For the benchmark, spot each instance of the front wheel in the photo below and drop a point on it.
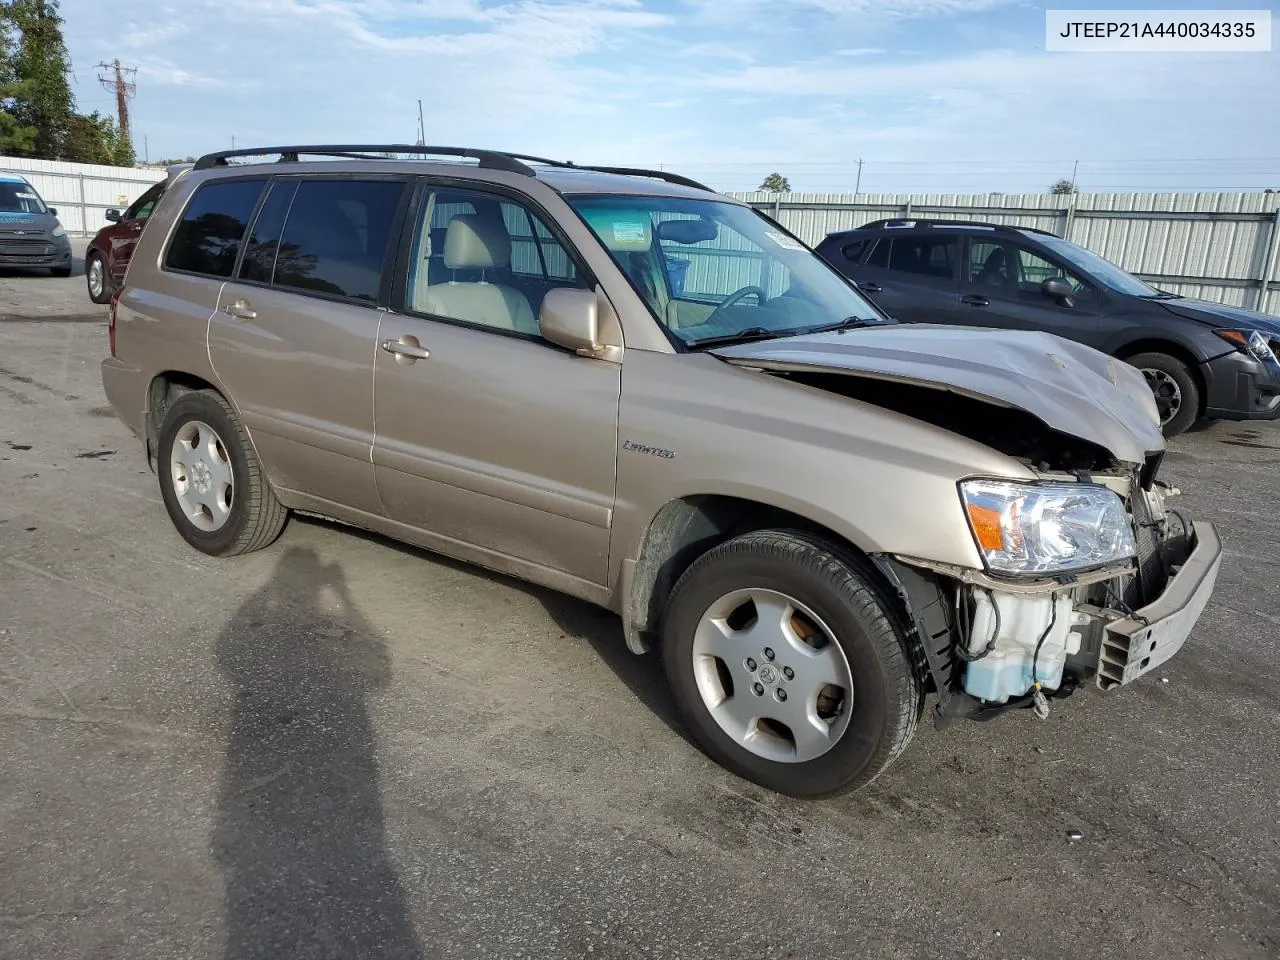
(1174, 387)
(789, 666)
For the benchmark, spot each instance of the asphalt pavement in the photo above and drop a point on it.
(343, 747)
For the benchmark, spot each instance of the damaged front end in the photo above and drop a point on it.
(1086, 572)
(994, 641)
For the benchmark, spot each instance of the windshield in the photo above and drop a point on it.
(711, 270)
(18, 197)
(1104, 271)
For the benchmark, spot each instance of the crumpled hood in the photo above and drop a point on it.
(1221, 314)
(1070, 387)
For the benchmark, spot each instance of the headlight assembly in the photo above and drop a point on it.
(59, 230)
(1046, 528)
(1251, 342)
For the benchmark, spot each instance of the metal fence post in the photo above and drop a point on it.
(777, 206)
(1264, 279)
(906, 212)
(84, 210)
(1071, 215)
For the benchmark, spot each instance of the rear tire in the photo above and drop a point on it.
(211, 481)
(825, 596)
(1175, 388)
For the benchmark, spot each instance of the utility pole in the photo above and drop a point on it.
(123, 88)
(857, 187)
(422, 127)
(146, 151)
(1074, 168)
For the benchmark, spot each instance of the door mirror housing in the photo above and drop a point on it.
(113, 215)
(571, 318)
(1059, 289)
(53, 211)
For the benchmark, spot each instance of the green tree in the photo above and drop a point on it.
(14, 137)
(1063, 187)
(42, 97)
(776, 183)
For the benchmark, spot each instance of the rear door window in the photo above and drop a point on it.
(929, 256)
(336, 236)
(209, 235)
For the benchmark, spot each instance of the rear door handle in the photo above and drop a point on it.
(974, 300)
(407, 349)
(869, 287)
(240, 310)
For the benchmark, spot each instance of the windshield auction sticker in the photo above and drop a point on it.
(1158, 31)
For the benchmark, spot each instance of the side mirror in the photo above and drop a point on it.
(113, 215)
(569, 318)
(53, 211)
(1059, 289)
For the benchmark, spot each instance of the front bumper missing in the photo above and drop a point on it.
(1143, 641)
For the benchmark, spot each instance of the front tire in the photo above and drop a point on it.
(789, 664)
(1175, 388)
(96, 277)
(211, 481)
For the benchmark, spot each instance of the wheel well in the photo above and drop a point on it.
(682, 531)
(164, 390)
(1177, 351)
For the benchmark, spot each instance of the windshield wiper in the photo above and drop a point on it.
(1165, 295)
(848, 323)
(747, 333)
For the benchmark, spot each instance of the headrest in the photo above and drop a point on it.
(473, 242)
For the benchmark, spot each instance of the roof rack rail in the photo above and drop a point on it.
(621, 171)
(489, 159)
(927, 223)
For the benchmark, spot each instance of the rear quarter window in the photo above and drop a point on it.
(209, 235)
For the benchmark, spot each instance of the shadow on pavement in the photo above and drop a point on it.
(575, 618)
(299, 826)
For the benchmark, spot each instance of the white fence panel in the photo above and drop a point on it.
(83, 192)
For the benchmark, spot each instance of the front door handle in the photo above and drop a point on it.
(869, 287)
(975, 300)
(407, 349)
(240, 310)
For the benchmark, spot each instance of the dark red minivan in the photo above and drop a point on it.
(109, 251)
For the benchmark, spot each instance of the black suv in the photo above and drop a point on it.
(1201, 358)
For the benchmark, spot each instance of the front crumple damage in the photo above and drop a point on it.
(991, 645)
(1073, 392)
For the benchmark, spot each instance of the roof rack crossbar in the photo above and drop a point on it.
(490, 159)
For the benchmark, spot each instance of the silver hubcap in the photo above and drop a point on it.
(202, 479)
(772, 676)
(97, 278)
(1167, 393)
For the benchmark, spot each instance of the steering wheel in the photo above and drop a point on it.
(734, 297)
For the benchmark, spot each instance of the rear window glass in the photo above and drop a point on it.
(336, 237)
(209, 235)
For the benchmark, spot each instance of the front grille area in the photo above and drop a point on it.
(25, 248)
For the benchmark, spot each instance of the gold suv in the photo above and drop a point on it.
(621, 385)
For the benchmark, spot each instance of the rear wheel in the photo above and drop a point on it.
(1175, 388)
(789, 666)
(96, 279)
(211, 481)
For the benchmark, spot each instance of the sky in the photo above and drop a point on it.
(932, 95)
